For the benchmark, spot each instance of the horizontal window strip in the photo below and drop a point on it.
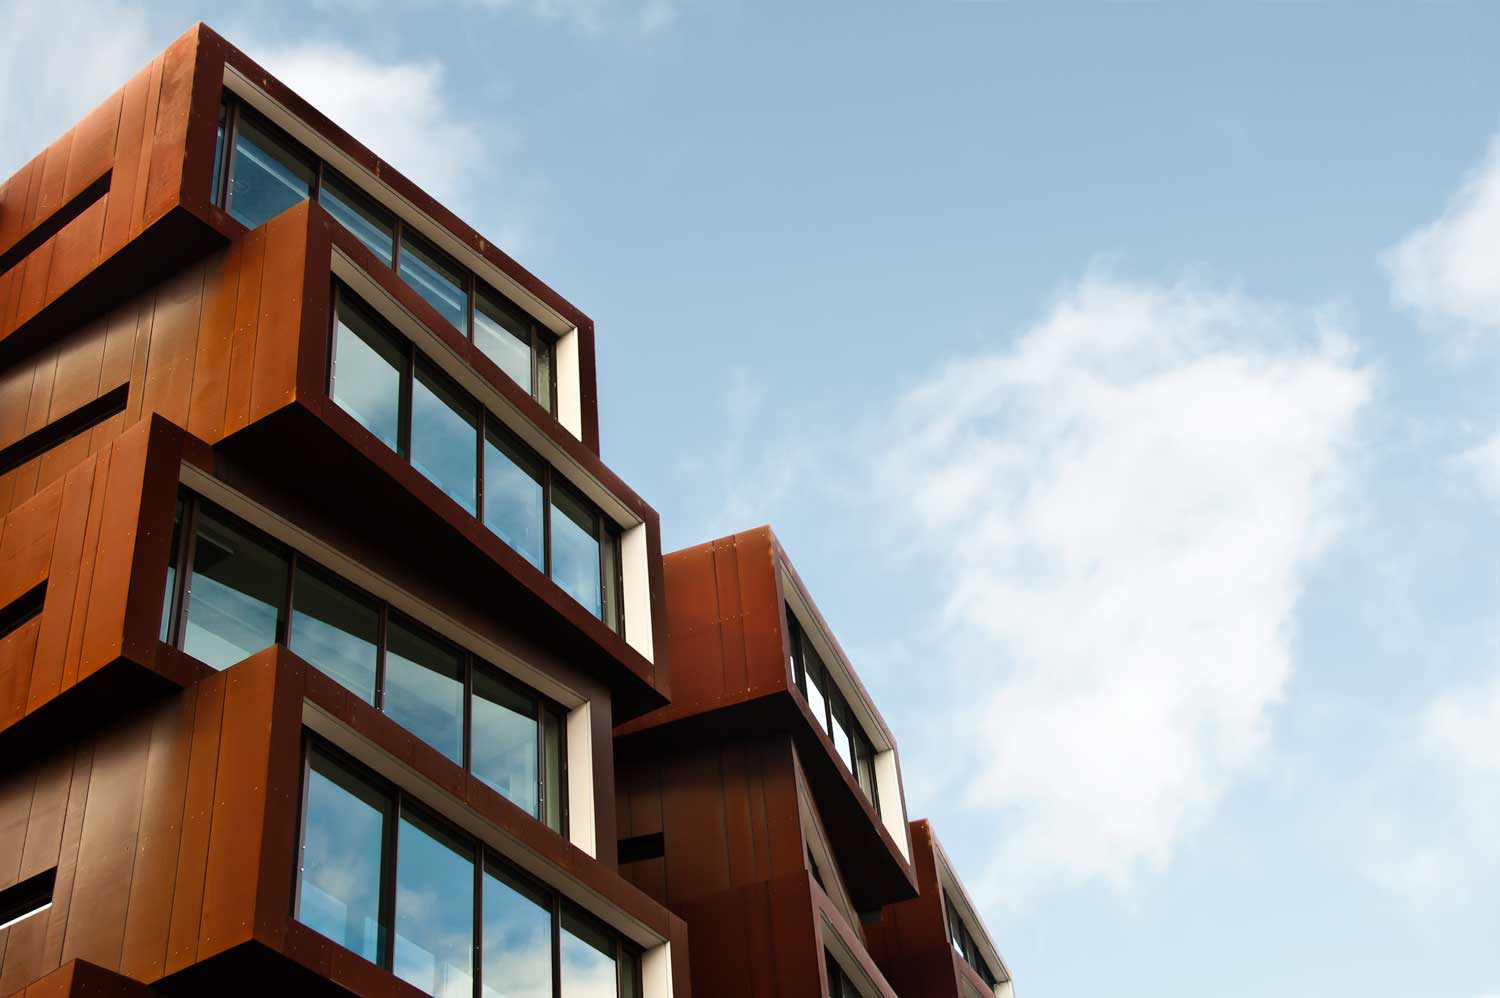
(55, 223)
(31, 896)
(25, 607)
(60, 431)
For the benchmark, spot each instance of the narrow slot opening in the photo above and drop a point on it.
(23, 608)
(30, 897)
(54, 224)
(639, 848)
(60, 431)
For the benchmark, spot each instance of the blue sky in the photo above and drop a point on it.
(1124, 380)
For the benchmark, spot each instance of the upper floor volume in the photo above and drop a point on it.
(298, 299)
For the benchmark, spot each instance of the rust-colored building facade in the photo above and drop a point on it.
(334, 658)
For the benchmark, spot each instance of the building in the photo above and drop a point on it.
(333, 658)
(935, 945)
(317, 604)
(764, 804)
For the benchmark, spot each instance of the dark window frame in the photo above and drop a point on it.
(193, 505)
(607, 532)
(543, 339)
(627, 955)
(963, 942)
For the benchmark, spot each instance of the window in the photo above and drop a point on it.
(831, 710)
(357, 212)
(964, 945)
(337, 629)
(424, 687)
(575, 548)
(381, 876)
(266, 175)
(235, 595)
(266, 172)
(444, 435)
(437, 279)
(839, 985)
(31, 896)
(346, 827)
(507, 735)
(402, 397)
(368, 373)
(513, 487)
(434, 924)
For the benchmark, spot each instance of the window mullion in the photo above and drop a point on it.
(380, 642)
(556, 945)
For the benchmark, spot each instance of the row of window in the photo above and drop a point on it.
(381, 876)
(832, 710)
(232, 591)
(964, 945)
(399, 395)
(265, 172)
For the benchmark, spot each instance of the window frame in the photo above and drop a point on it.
(543, 339)
(487, 424)
(193, 504)
(484, 857)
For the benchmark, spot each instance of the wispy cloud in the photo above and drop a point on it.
(58, 59)
(1446, 270)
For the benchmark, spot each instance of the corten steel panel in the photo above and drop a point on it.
(80, 979)
(187, 847)
(236, 347)
(148, 152)
(727, 637)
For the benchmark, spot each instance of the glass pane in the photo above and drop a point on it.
(434, 911)
(794, 643)
(367, 370)
(354, 210)
(342, 850)
(336, 630)
(630, 974)
(234, 595)
(435, 279)
(504, 743)
(544, 374)
(444, 435)
(815, 681)
(267, 178)
(513, 496)
(613, 610)
(169, 602)
(864, 760)
(552, 788)
(840, 732)
(588, 960)
(517, 942)
(575, 548)
(218, 154)
(424, 689)
(504, 334)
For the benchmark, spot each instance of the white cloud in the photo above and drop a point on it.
(1119, 511)
(596, 16)
(1446, 270)
(58, 60)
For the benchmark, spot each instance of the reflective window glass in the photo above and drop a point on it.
(815, 681)
(613, 608)
(552, 787)
(367, 371)
(864, 761)
(840, 733)
(424, 688)
(575, 548)
(336, 630)
(268, 179)
(544, 367)
(235, 594)
(513, 496)
(219, 154)
(517, 941)
(169, 602)
(435, 278)
(587, 958)
(355, 211)
(503, 333)
(444, 435)
(343, 847)
(434, 944)
(504, 742)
